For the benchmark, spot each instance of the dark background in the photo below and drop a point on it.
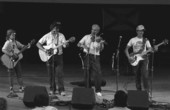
(32, 20)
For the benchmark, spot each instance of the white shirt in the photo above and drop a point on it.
(11, 46)
(93, 46)
(53, 41)
(137, 44)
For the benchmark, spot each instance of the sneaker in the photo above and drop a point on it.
(99, 94)
(11, 89)
(62, 93)
(150, 96)
(21, 89)
(51, 92)
(12, 95)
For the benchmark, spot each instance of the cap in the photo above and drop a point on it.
(140, 27)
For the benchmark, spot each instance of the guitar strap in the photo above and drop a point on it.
(57, 42)
(143, 45)
(16, 44)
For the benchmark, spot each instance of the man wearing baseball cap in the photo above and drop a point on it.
(140, 45)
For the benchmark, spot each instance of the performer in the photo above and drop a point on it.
(141, 46)
(10, 49)
(92, 45)
(55, 63)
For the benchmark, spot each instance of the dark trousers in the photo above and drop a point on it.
(142, 74)
(92, 66)
(55, 68)
(15, 71)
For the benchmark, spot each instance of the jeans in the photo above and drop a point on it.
(92, 66)
(18, 72)
(141, 73)
(55, 68)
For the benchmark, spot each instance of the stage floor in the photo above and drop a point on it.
(35, 75)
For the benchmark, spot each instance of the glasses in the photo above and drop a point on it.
(13, 33)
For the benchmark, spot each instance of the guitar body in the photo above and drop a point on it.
(51, 50)
(43, 56)
(7, 61)
(10, 62)
(136, 59)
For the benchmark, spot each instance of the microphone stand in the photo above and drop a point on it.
(82, 62)
(88, 69)
(117, 66)
(152, 67)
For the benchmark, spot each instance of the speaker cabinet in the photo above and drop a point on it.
(83, 98)
(138, 100)
(31, 92)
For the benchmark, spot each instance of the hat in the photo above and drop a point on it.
(56, 24)
(140, 27)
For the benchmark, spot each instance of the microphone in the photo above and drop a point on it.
(154, 40)
(154, 49)
(120, 37)
(79, 54)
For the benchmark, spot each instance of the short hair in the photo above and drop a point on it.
(41, 100)
(96, 26)
(120, 99)
(56, 24)
(3, 104)
(9, 32)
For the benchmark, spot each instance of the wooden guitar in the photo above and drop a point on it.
(52, 50)
(136, 57)
(10, 62)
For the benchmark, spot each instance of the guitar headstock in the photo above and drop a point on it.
(72, 39)
(165, 41)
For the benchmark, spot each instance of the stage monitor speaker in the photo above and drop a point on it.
(138, 100)
(31, 92)
(83, 98)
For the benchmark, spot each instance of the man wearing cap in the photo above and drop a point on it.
(55, 63)
(140, 45)
(10, 48)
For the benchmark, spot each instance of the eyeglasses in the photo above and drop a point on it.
(13, 33)
(140, 30)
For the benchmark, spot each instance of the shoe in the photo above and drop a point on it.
(11, 89)
(62, 93)
(99, 94)
(51, 92)
(12, 95)
(21, 89)
(150, 96)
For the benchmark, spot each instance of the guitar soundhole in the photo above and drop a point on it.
(50, 51)
(14, 59)
(135, 58)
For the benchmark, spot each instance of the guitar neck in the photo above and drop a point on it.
(159, 44)
(23, 49)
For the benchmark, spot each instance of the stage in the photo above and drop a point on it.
(35, 75)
